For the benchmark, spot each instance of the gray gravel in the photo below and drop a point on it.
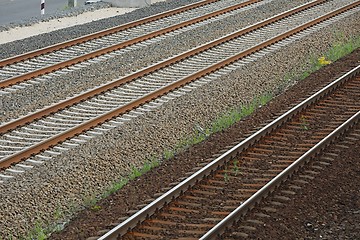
(16, 104)
(68, 180)
(43, 40)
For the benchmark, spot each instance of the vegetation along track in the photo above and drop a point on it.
(212, 199)
(24, 67)
(66, 122)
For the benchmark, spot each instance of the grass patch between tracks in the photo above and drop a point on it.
(339, 49)
(199, 135)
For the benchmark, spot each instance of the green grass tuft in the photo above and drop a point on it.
(38, 233)
(237, 114)
(338, 50)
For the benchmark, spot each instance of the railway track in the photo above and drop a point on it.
(310, 174)
(67, 121)
(30, 65)
(222, 192)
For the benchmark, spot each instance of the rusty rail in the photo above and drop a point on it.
(149, 97)
(116, 83)
(271, 186)
(99, 34)
(99, 52)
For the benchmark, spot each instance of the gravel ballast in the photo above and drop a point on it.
(43, 40)
(60, 87)
(85, 171)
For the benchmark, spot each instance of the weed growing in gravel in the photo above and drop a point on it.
(116, 186)
(96, 208)
(226, 177)
(338, 50)
(316, 64)
(145, 168)
(236, 167)
(42, 230)
(343, 47)
(38, 232)
(135, 173)
(168, 154)
(237, 114)
(304, 123)
(58, 214)
(322, 61)
(223, 122)
(150, 164)
(89, 201)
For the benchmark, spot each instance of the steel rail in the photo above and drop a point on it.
(26, 153)
(271, 186)
(105, 50)
(103, 33)
(116, 83)
(150, 209)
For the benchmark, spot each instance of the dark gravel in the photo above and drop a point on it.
(326, 208)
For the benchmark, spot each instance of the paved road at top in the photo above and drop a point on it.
(17, 10)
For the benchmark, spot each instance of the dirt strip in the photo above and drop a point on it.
(89, 222)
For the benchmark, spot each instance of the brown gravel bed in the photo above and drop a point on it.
(114, 207)
(326, 208)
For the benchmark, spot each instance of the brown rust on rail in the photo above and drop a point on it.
(99, 34)
(97, 53)
(6, 162)
(66, 103)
